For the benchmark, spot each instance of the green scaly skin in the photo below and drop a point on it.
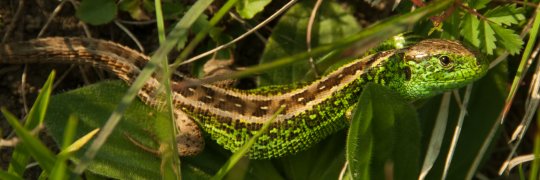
(420, 71)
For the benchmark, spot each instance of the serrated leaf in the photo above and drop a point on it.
(249, 8)
(505, 15)
(507, 38)
(487, 38)
(469, 29)
(96, 12)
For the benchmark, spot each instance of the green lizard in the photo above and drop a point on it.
(312, 111)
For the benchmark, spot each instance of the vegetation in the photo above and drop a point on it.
(453, 136)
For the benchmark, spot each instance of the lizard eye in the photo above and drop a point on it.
(445, 61)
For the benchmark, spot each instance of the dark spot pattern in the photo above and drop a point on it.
(329, 83)
(285, 102)
(183, 91)
(259, 108)
(207, 96)
(306, 97)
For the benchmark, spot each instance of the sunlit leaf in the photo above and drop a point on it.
(249, 8)
(470, 29)
(507, 39)
(487, 42)
(505, 14)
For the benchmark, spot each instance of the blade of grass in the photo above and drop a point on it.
(252, 30)
(60, 166)
(531, 106)
(522, 68)
(242, 151)
(35, 117)
(436, 136)
(536, 162)
(457, 130)
(171, 165)
(37, 113)
(78, 144)
(364, 40)
(33, 146)
(201, 35)
(515, 84)
(180, 30)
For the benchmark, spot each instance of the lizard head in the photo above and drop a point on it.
(433, 66)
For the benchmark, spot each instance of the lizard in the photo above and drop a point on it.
(311, 110)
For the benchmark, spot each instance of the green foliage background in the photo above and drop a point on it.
(384, 128)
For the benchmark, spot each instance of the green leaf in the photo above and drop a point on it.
(469, 29)
(507, 38)
(7, 175)
(59, 170)
(487, 35)
(35, 118)
(32, 144)
(173, 9)
(97, 12)
(160, 54)
(119, 157)
(289, 37)
(249, 8)
(477, 4)
(505, 14)
(328, 164)
(360, 138)
(451, 27)
(384, 126)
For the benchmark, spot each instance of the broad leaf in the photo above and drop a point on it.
(289, 37)
(384, 131)
(97, 12)
(119, 157)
